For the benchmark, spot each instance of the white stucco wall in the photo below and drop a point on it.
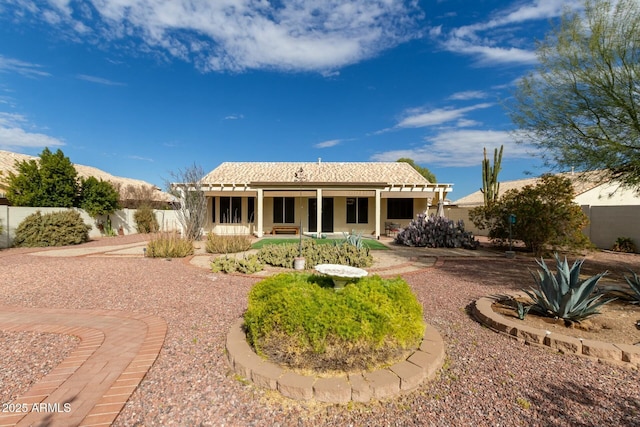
(608, 195)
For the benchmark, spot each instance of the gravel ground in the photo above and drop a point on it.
(488, 379)
(26, 357)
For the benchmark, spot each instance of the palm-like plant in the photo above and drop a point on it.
(564, 295)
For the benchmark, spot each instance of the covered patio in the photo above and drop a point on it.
(316, 198)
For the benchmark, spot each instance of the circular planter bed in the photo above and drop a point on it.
(564, 341)
(421, 365)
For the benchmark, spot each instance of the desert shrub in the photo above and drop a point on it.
(546, 216)
(436, 232)
(169, 245)
(227, 244)
(52, 229)
(314, 254)
(248, 265)
(146, 221)
(624, 244)
(301, 321)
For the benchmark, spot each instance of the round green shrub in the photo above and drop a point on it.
(299, 320)
(52, 229)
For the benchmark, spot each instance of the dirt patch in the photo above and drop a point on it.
(616, 323)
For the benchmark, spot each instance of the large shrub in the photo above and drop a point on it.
(314, 254)
(169, 245)
(98, 197)
(51, 181)
(436, 232)
(52, 229)
(301, 321)
(546, 216)
(146, 221)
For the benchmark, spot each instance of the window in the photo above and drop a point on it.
(284, 210)
(400, 208)
(251, 209)
(213, 210)
(357, 210)
(230, 210)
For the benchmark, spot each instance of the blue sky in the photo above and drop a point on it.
(140, 88)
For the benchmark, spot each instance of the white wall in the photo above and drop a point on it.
(12, 216)
(608, 195)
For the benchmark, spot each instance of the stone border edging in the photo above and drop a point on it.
(623, 353)
(401, 377)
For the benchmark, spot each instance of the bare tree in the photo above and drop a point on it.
(190, 204)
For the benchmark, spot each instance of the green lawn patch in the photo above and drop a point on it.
(370, 243)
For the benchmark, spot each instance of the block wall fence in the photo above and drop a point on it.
(12, 216)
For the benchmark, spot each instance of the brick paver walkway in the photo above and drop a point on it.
(97, 378)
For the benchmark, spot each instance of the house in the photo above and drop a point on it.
(612, 210)
(315, 197)
(590, 188)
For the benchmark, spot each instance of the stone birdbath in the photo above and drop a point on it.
(340, 274)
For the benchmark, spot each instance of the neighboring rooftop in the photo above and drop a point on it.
(582, 182)
(240, 173)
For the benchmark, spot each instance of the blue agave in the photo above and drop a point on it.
(564, 295)
(634, 284)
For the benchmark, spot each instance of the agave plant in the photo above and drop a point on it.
(634, 284)
(564, 295)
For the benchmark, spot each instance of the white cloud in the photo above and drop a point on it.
(329, 143)
(417, 118)
(495, 41)
(13, 134)
(99, 80)
(234, 117)
(146, 159)
(293, 35)
(469, 94)
(459, 148)
(24, 68)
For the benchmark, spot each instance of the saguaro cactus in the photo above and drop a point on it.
(490, 184)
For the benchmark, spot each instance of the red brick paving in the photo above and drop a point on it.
(97, 378)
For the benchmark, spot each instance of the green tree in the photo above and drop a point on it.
(423, 171)
(49, 182)
(546, 216)
(581, 106)
(98, 197)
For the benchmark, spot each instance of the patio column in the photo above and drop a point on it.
(440, 211)
(319, 211)
(259, 214)
(378, 214)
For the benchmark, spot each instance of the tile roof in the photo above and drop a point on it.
(582, 182)
(326, 172)
(8, 160)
